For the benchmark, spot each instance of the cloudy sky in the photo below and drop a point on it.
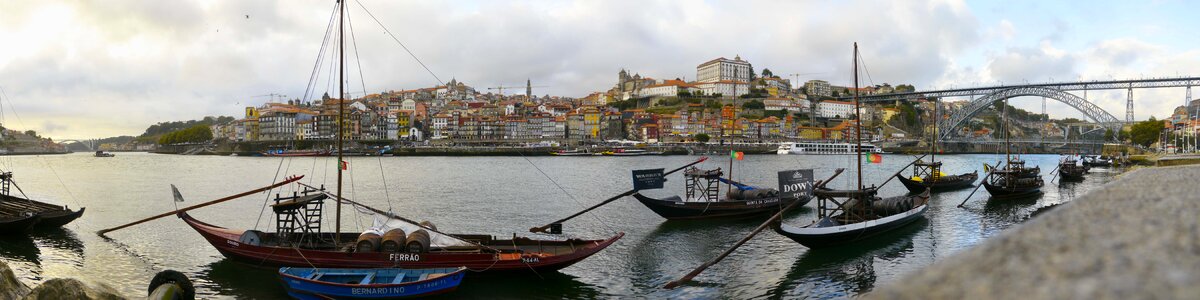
(81, 69)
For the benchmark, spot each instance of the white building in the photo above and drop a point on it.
(722, 69)
(727, 88)
(783, 104)
(669, 88)
(835, 109)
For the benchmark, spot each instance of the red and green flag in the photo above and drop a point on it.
(874, 158)
(736, 155)
(345, 165)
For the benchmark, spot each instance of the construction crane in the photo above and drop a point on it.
(528, 88)
(273, 96)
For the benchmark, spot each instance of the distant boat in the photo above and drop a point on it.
(1070, 170)
(630, 152)
(823, 148)
(576, 152)
(287, 153)
(310, 283)
(104, 154)
(1097, 161)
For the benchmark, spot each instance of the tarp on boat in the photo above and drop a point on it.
(380, 224)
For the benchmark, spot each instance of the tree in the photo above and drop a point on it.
(703, 138)
(835, 94)
(31, 133)
(766, 73)
(1108, 134)
(754, 104)
(1146, 132)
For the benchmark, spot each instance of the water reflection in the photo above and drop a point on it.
(848, 270)
(242, 281)
(19, 248)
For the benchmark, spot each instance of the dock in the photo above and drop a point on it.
(1135, 238)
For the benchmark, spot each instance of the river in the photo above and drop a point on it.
(498, 196)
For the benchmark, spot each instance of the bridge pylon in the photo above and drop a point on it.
(1129, 107)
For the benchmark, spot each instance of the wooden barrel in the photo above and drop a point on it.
(418, 242)
(393, 241)
(428, 224)
(367, 242)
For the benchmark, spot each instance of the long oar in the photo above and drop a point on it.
(885, 182)
(281, 183)
(606, 201)
(760, 228)
(985, 177)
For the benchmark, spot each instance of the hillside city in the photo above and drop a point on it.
(727, 102)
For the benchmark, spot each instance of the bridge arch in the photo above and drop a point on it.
(1103, 118)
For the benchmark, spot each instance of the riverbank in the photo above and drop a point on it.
(1133, 238)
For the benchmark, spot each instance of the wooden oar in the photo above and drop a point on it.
(278, 184)
(885, 182)
(985, 177)
(606, 201)
(701, 268)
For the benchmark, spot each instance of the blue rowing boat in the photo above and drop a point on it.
(322, 283)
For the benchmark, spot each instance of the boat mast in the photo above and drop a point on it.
(341, 114)
(936, 117)
(858, 120)
(1007, 146)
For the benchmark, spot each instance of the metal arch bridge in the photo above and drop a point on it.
(90, 144)
(1056, 91)
(1026, 141)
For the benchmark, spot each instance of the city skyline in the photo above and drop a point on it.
(86, 70)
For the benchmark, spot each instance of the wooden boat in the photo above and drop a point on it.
(703, 201)
(391, 283)
(1011, 183)
(1070, 170)
(48, 215)
(939, 182)
(103, 154)
(17, 223)
(300, 239)
(860, 213)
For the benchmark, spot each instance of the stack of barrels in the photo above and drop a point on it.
(395, 240)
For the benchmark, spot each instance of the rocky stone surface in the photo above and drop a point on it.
(10, 286)
(68, 288)
(1138, 237)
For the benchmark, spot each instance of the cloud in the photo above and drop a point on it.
(1023, 64)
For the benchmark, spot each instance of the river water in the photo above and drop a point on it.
(498, 196)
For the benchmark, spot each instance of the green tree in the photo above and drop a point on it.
(1146, 132)
(1108, 134)
(31, 133)
(767, 73)
(703, 138)
(754, 104)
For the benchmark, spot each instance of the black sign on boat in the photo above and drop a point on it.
(796, 183)
(648, 179)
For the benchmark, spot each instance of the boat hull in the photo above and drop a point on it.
(227, 242)
(17, 224)
(303, 288)
(999, 191)
(681, 210)
(50, 215)
(818, 236)
(964, 180)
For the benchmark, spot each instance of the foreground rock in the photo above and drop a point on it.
(10, 287)
(68, 288)
(1135, 238)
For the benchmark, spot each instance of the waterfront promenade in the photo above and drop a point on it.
(1134, 238)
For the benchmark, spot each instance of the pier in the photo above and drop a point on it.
(1133, 238)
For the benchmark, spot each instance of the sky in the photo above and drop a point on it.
(89, 69)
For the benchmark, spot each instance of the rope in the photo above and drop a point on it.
(410, 53)
(268, 198)
(354, 42)
(569, 195)
(316, 72)
(382, 175)
(43, 159)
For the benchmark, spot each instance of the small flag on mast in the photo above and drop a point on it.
(874, 158)
(345, 165)
(736, 155)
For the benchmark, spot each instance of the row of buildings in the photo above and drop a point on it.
(456, 112)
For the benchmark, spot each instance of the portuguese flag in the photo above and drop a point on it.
(874, 158)
(345, 165)
(736, 155)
